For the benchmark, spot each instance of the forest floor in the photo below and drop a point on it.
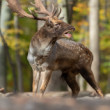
(53, 101)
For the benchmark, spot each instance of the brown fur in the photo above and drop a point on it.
(68, 56)
(49, 50)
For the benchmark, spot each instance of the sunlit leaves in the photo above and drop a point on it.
(81, 23)
(101, 14)
(11, 39)
(59, 1)
(13, 31)
(81, 8)
(11, 22)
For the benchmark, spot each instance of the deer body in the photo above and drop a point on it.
(50, 54)
(50, 51)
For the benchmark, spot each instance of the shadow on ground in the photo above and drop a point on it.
(53, 101)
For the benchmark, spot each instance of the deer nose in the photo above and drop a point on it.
(73, 28)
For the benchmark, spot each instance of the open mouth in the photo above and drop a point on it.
(68, 34)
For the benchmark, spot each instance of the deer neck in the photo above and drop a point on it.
(44, 42)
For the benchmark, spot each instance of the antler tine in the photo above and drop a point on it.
(55, 12)
(53, 8)
(15, 6)
(37, 18)
(41, 7)
(59, 13)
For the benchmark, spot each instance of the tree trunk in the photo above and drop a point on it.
(55, 83)
(63, 5)
(70, 4)
(108, 84)
(4, 18)
(39, 22)
(18, 60)
(94, 37)
(6, 48)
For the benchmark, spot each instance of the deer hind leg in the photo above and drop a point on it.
(70, 79)
(89, 77)
(45, 81)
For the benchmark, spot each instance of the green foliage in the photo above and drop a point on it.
(22, 44)
(27, 29)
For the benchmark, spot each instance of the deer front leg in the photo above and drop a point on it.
(34, 88)
(45, 80)
(36, 78)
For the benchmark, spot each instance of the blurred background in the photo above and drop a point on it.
(91, 18)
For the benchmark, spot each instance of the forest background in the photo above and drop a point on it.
(91, 18)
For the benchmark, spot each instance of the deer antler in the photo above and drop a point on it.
(15, 6)
(58, 14)
(40, 6)
(55, 11)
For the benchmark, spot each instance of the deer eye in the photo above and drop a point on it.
(57, 25)
(49, 25)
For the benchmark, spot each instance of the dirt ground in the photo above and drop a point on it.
(53, 101)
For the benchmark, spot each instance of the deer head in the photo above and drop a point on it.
(53, 24)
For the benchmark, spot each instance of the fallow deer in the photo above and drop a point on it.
(49, 50)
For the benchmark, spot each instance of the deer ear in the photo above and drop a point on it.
(49, 21)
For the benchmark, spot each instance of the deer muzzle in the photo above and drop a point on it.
(68, 33)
